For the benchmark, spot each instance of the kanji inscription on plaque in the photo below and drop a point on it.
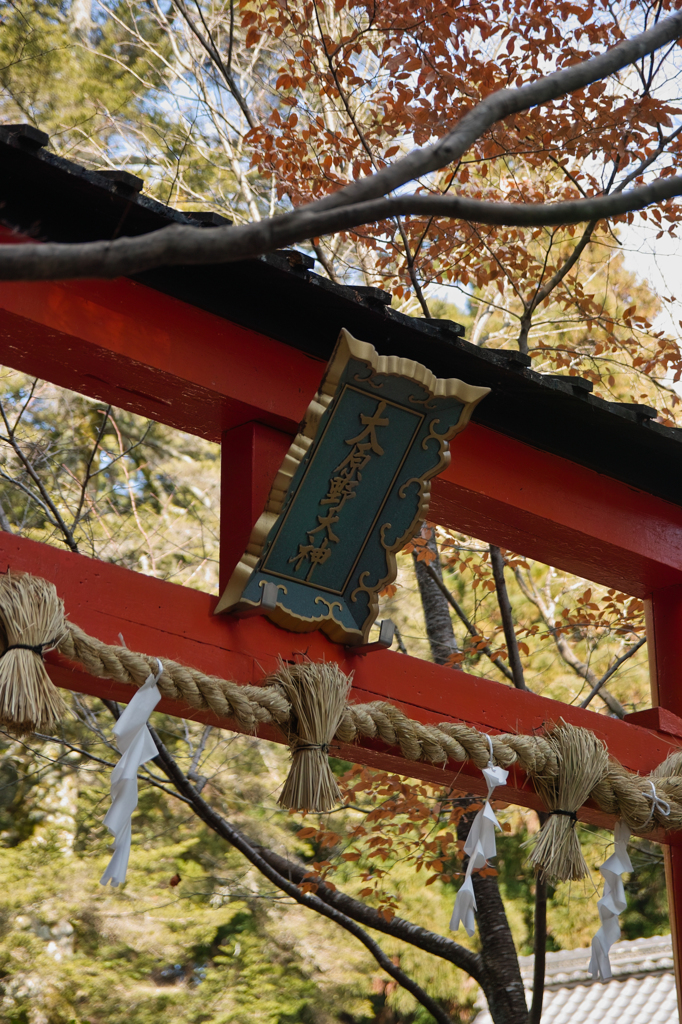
(353, 489)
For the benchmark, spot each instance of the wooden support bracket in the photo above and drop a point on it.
(268, 602)
(384, 641)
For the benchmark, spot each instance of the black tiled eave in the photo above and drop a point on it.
(54, 199)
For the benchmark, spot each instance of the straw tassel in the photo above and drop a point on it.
(32, 618)
(582, 762)
(317, 694)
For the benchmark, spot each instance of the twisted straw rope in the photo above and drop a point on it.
(248, 705)
(620, 792)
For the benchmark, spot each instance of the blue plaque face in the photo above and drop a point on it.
(357, 491)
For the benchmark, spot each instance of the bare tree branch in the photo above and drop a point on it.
(398, 635)
(145, 777)
(45, 499)
(366, 201)
(213, 52)
(88, 469)
(399, 928)
(293, 871)
(566, 651)
(326, 263)
(188, 245)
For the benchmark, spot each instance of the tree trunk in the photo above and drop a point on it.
(501, 982)
(436, 608)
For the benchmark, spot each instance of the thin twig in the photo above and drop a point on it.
(497, 562)
(410, 257)
(88, 468)
(44, 493)
(147, 776)
(213, 52)
(614, 668)
(565, 650)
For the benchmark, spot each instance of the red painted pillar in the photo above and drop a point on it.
(251, 455)
(664, 632)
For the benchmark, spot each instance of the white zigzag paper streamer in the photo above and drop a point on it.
(481, 847)
(137, 746)
(612, 903)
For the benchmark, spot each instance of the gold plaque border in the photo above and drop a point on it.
(347, 348)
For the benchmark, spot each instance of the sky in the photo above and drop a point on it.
(660, 262)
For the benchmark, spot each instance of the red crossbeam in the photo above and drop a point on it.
(124, 343)
(160, 618)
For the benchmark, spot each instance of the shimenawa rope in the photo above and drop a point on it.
(568, 765)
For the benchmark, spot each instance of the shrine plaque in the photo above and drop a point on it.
(353, 489)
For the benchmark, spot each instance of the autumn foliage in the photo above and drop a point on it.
(356, 84)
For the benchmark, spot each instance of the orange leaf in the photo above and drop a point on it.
(426, 555)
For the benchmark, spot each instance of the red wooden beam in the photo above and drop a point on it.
(124, 343)
(563, 514)
(162, 618)
(251, 456)
(130, 345)
(664, 630)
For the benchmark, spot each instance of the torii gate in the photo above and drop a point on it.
(239, 365)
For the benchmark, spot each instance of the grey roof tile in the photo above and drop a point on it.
(642, 990)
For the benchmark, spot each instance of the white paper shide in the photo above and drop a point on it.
(481, 847)
(612, 903)
(137, 746)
